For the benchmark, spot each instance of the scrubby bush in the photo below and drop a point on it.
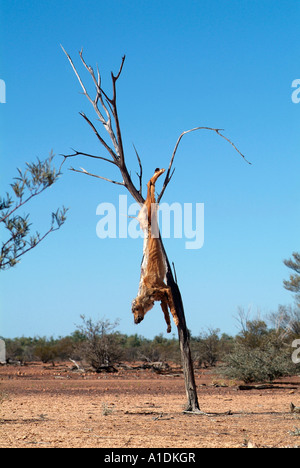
(258, 364)
(99, 346)
(160, 349)
(259, 354)
(209, 347)
(21, 349)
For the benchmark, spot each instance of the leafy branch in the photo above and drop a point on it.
(30, 183)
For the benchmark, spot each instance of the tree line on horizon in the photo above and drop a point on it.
(261, 350)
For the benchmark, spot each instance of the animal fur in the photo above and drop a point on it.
(152, 285)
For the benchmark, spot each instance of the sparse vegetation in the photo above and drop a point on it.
(17, 237)
(100, 345)
(258, 353)
(106, 410)
(261, 353)
(296, 432)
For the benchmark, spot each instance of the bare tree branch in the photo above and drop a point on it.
(83, 171)
(110, 110)
(115, 112)
(168, 176)
(102, 141)
(140, 175)
(94, 102)
(106, 123)
(79, 153)
(109, 106)
(115, 78)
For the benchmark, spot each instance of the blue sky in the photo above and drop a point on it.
(225, 64)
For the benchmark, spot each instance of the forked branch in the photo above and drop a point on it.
(108, 116)
(140, 175)
(170, 172)
(107, 112)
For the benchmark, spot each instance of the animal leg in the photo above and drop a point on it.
(165, 291)
(164, 306)
(171, 305)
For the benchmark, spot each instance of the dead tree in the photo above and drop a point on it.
(106, 110)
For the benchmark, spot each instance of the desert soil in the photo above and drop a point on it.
(44, 406)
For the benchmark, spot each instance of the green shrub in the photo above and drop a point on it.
(258, 364)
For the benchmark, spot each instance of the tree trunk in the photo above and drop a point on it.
(184, 341)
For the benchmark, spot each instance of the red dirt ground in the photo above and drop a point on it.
(44, 406)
